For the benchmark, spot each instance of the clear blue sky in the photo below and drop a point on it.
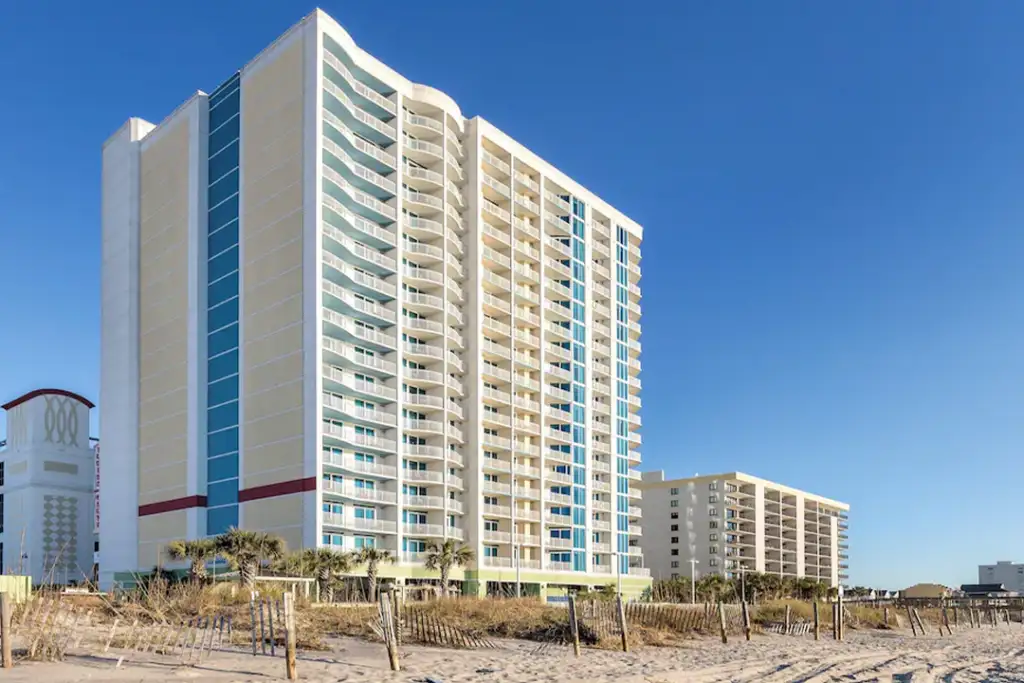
(832, 195)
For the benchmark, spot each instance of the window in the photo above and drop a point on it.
(713, 538)
(713, 562)
(365, 542)
(675, 527)
(490, 551)
(490, 525)
(713, 550)
(675, 565)
(673, 492)
(675, 539)
(675, 575)
(713, 486)
(674, 515)
(713, 498)
(675, 551)
(713, 512)
(713, 524)
(674, 503)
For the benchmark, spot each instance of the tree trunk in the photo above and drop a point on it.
(371, 575)
(247, 575)
(198, 571)
(444, 580)
(323, 578)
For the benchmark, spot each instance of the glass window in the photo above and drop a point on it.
(222, 391)
(222, 417)
(224, 237)
(222, 442)
(224, 467)
(222, 290)
(223, 340)
(222, 264)
(219, 519)
(222, 214)
(223, 188)
(222, 315)
(225, 134)
(222, 366)
(223, 161)
(224, 109)
(222, 493)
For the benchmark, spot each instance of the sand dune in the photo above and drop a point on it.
(993, 655)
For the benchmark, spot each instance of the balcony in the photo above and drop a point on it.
(423, 124)
(497, 511)
(361, 202)
(349, 436)
(355, 225)
(494, 162)
(373, 526)
(348, 462)
(421, 200)
(490, 209)
(366, 124)
(422, 151)
(360, 176)
(338, 379)
(421, 451)
(348, 489)
(561, 204)
(346, 407)
(497, 488)
(337, 130)
(360, 89)
(412, 529)
(422, 501)
(423, 427)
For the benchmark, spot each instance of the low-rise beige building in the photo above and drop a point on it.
(719, 523)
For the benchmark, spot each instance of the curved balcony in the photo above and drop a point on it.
(423, 402)
(422, 303)
(358, 88)
(339, 216)
(454, 167)
(419, 252)
(340, 381)
(415, 501)
(423, 529)
(455, 360)
(454, 219)
(421, 201)
(452, 140)
(348, 489)
(340, 299)
(343, 407)
(421, 151)
(422, 124)
(337, 242)
(380, 160)
(421, 276)
(416, 177)
(344, 328)
(420, 351)
(455, 290)
(422, 228)
(359, 202)
(359, 524)
(418, 427)
(364, 123)
(422, 451)
(456, 339)
(348, 462)
(360, 176)
(345, 355)
(454, 243)
(419, 376)
(422, 476)
(346, 275)
(422, 327)
(455, 195)
(349, 437)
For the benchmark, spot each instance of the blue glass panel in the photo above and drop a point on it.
(222, 366)
(224, 467)
(224, 109)
(223, 188)
(223, 340)
(223, 264)
(222, 493)
(222, 316)
(222, 290)
(219, 520)
(222, 417)
(225, 134)
(220, 443)
(221, 392)
(225, 160)
(222, 214)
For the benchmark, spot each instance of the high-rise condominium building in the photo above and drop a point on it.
(337, 310)
(720, 523)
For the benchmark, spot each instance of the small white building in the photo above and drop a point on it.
(47, 481)
(1005, 572)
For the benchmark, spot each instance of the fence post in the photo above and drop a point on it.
(289, 636)
(721, 618)
(252, 620)
(945, 620)
(920, 622)
(787, 619)
(574, 629)
(841, 613)
(746, 620)
(910, 616)
(263, 632)
(387, 622)
(956, 616)
(622, 623)
(885, 616)
(817, 631)
(6, 635)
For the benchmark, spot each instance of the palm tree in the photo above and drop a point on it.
(325, 563)
(197, 552)
(372, 558)
(713, 587)
(442, 557)
(246, 550)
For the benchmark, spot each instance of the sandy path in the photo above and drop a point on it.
(983, 655)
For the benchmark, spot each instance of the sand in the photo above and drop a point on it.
(969, 655)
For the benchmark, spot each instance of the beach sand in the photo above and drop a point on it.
(968, 656)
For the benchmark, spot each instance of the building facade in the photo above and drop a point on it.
(1005, 572)
(337, 310)
(46, 488)
(726, 522)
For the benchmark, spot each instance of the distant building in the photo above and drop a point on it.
(1005, 572)
(985, 590)
(47, 481)
(926, 590)
(733, 520)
